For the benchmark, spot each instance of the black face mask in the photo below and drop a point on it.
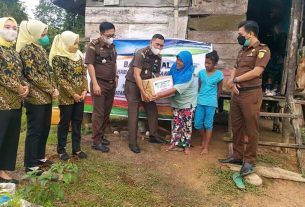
(241, 40)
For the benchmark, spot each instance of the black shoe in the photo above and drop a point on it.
(35, 170)
(105, 141)
(134, 148)
(247, 169)
(158, 140)
(80, 155)
(64, 156)
(100, 147)
(45, 162)
(3, 180)
(231, 160)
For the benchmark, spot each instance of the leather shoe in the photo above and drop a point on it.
(105, 141)
(247, 169)
(158, 140)
(134, 148)
(100, 147)
(231, 160)
(3, 180)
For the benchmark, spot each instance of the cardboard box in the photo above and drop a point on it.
(156, 85)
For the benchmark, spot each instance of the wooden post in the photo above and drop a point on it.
(292, 65)
(176, 17)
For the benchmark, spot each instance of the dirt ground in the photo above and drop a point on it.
(175, 179)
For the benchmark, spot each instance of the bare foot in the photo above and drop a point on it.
(4, 175)
(171, 147)
(187, 151)
(204, 151)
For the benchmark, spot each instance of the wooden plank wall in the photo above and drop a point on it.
(135, 19)
(216, 22)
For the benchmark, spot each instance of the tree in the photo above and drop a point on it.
(59, 20)
(13, 8)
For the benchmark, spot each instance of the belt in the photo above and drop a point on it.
(107, 81)
(249, 88)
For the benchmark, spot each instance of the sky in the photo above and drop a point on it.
(30, 7)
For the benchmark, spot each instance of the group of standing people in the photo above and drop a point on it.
(30, 76)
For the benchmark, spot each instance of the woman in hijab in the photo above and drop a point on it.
(183, 102)
(72, 84)
(37, 71)
(12, 90)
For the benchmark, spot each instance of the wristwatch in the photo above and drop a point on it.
(234, 80)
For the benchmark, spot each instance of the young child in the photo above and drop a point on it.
(210, 87)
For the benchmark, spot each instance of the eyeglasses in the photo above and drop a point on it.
(110, 35)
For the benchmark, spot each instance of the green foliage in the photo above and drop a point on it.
(59, 20)
(48, 187)
(13, 8)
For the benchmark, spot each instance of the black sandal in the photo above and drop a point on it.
(80, 155)
(64, 156)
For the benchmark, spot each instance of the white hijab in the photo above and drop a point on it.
(60, 46)
(30, 31)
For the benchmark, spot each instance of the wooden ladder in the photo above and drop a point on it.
(290, 115)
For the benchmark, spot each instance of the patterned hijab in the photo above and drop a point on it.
(3, 42)
(30, 32)
(60, 46)
(183, 75)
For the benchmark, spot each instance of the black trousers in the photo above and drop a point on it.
(38, 128)
(74, 114)
(10, 123)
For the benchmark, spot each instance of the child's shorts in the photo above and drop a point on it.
(204, 117)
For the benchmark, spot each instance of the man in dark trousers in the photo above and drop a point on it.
(246, 83)
(145, 64)
(101, 58)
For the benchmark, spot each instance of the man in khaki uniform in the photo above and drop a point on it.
(246, 83)
(101, 60)
(145, 64)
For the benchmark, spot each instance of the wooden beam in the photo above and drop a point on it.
(139, 3)
(282, 115)
(226, 7)
(285, 145)
(215, 22)
(219, 37)
(227, 51)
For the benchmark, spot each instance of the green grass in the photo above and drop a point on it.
(223, 184)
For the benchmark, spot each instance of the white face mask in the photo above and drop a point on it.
(155, 50)
(8, 34)
(109, 41)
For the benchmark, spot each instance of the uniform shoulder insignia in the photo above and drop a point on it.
(142, 53)
(261, 53)
(94, 42)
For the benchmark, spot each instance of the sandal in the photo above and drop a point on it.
(64, 156)
(80, 155)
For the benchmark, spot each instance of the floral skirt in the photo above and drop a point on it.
(182, 127)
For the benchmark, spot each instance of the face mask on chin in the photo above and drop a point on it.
(155, 51)
(72, 49)
(8, 34)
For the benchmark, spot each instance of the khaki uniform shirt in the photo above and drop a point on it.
(248, 58)
(71, 78)
(145, 60)
(10, 78)
(103, 57)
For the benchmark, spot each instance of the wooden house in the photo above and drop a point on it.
(215, 21)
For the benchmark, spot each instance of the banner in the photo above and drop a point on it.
(126, 50)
